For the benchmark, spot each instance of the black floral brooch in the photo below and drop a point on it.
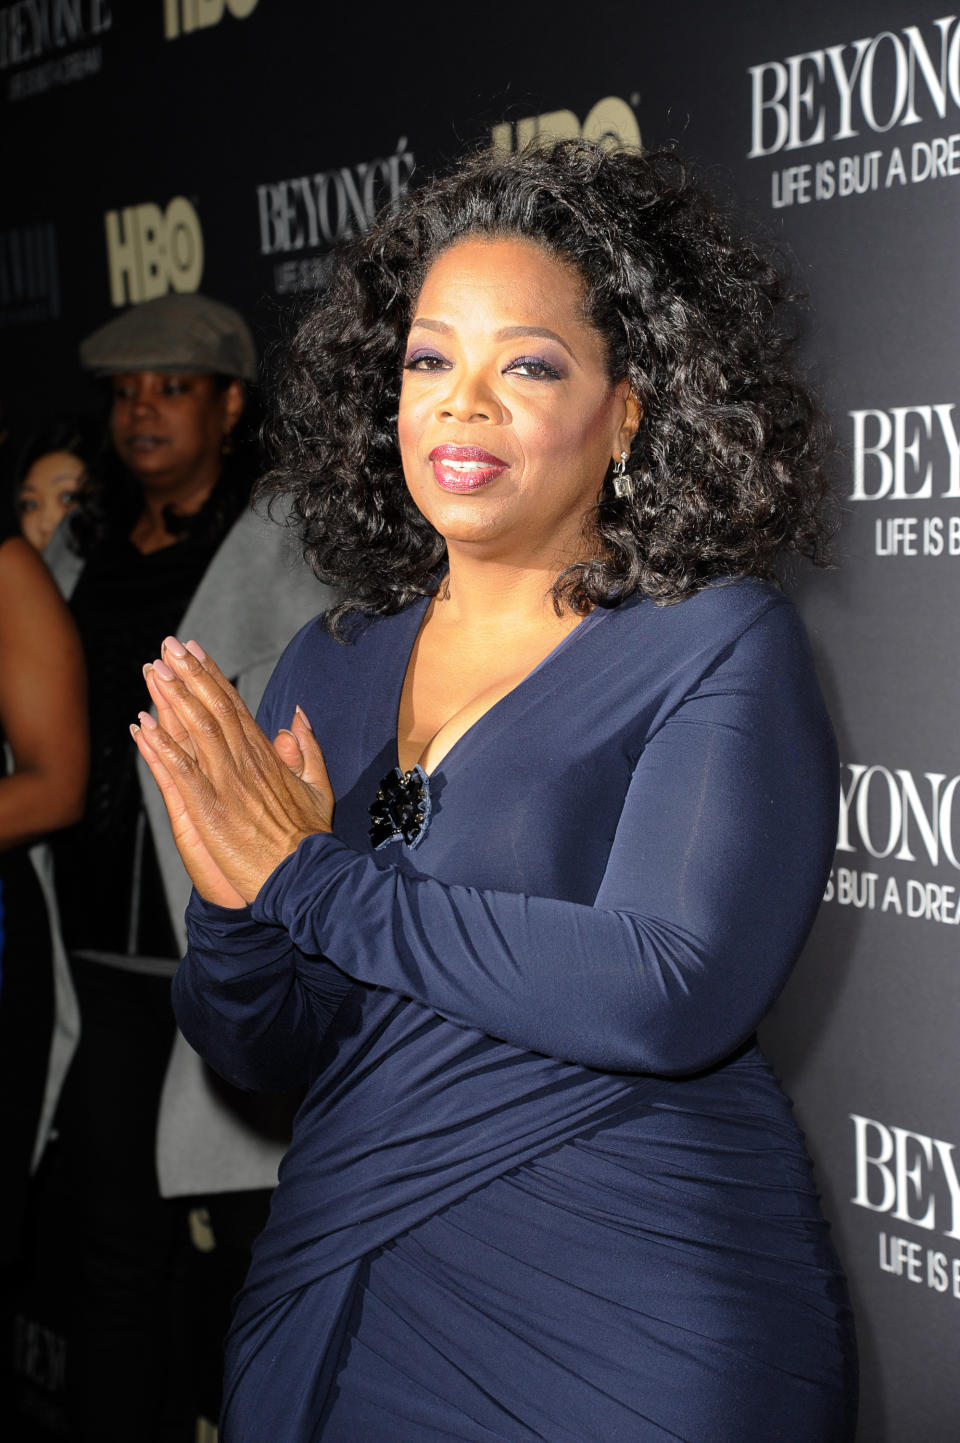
(401, 808)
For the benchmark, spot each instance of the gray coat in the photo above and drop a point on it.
(254, 596)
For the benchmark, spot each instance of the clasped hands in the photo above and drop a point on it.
(238, 803)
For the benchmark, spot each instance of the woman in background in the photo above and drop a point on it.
(51, 469)
(164, 538)
(42, 789)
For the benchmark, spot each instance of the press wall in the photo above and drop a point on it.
(227, 146)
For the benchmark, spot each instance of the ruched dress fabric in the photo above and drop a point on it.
(542, 1185)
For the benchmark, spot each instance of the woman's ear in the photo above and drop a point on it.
(234, 399)
(632, 414)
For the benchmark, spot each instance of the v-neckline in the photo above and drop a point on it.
(419, 610)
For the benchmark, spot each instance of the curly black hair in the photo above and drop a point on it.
(728, 461)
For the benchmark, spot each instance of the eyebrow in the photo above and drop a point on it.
(506, 333)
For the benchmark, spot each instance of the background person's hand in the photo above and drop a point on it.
(238, 803)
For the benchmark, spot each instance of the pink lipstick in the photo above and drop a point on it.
(464, 468)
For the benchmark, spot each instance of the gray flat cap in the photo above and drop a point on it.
(179, 332)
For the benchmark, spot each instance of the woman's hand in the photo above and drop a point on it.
(238, 803)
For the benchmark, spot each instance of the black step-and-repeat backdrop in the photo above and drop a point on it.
(227, 144)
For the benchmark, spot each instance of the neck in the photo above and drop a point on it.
(512, 586)
(150, 531)
(487, 594)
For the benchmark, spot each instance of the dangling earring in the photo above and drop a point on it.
(622, 483)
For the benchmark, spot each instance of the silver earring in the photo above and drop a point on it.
(622, 483)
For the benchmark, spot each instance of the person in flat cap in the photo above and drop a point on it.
(177, 369)
(179, 332)
(165, 541)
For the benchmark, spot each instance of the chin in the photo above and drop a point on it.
(461, 533)
(139, 464)
(465, 517)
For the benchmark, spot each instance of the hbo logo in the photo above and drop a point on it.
(611, 121)
(182, 16)
(150, 251)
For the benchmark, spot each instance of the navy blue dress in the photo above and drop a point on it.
(542, 1185)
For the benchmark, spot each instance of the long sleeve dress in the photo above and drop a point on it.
(542, 1185)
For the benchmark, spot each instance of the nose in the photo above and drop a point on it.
(142, 398)
(469, 397)
(135, 399)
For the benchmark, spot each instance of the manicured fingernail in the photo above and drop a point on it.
(163, 671)
(304, 718)
(134, 731)
(147, 720)
(286, 732)
(147, 668)
(174, 647)
(195, 649)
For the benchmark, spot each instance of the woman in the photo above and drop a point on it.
(50, 471)
(41, 677)
(165, 536)
(514, 907)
